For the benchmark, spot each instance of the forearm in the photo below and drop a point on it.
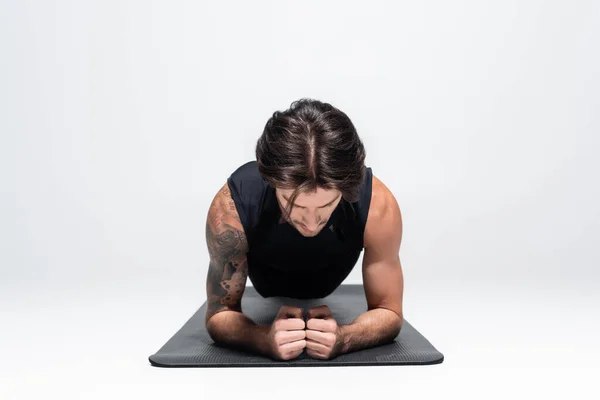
(373, 328)
(236, 330)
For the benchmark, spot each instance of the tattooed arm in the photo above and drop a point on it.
(226, 280)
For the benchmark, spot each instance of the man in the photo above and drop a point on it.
(295, 221)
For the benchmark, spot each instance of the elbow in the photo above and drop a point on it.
(399, 323)
(212, 326)
(395, 318)
(396, 323)
(393, 322)
(216, 324)
(396, 326)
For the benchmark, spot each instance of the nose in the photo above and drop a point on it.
(312, 222)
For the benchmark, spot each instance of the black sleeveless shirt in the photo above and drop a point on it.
(283, 262)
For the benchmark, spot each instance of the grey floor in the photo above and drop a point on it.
(90, 338)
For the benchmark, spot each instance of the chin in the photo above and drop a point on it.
(306, 233)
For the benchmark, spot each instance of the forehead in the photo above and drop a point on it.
(320, 192)
(317, 198)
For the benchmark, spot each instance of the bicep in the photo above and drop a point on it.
(383, 283)
(383, 278)
(227, 248)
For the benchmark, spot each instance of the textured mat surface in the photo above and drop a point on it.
(191, 346)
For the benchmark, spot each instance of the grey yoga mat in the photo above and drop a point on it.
(191, 346)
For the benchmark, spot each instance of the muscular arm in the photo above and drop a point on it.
(227, 248)
(383, 280)
(226, 279)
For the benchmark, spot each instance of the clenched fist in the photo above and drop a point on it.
(287, 334)
(323, 335)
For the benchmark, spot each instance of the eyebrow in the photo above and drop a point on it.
(296, 205)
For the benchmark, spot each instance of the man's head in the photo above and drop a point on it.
(313, 157)
(311, 211)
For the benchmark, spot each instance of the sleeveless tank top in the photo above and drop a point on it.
(283, 262)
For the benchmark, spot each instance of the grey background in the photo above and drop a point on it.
(119, 121)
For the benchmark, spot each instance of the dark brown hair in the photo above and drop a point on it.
(312, 145)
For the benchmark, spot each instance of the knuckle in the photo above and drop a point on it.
(331, 340)
(280, 352)
(279, 324)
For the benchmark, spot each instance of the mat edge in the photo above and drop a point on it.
(271, 364)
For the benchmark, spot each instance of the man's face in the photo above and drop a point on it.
(310, 211)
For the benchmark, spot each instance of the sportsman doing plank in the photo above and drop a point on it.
(295, 222)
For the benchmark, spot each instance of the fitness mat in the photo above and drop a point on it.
(191, 346)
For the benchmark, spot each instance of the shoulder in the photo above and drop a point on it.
(248, 190)
(247, 171)
(223, 211)
(246, 182)
(384, 220)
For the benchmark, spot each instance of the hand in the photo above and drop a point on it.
(323, 335)
(287, 334)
